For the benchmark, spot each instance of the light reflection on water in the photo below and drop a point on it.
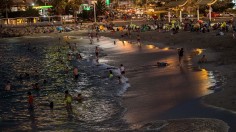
(100, 107)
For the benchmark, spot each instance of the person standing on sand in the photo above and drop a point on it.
(96, 52)
(122, 69)
(138, 39)
(181, 54)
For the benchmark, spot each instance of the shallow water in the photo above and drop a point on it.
(102, 109)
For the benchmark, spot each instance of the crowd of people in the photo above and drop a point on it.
(68, 98)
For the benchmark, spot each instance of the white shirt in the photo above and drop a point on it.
(122, 68)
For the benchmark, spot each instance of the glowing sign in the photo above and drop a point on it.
(42, 7)
(107, 2)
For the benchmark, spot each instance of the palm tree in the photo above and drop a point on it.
(5, 6)
(59, 6)
(74, 5)
(101, 7)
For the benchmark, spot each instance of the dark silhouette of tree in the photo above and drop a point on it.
(40, 3)
(59, 6)
(5, 6)
(221, 6)
(101, 7)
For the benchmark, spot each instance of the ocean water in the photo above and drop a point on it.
(45, 59)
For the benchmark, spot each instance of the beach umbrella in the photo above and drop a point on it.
(173, 21)
(200, 21)
(59, 28)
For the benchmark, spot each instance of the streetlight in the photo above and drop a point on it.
(32, 4)
(6, 11)
(94, 10)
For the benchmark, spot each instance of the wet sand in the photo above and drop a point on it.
(140, 100)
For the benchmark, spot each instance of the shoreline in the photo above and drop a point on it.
(220, 60)
(211, 121)
(217, 54)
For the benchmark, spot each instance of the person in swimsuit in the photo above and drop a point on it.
(122, 69)
(68, 100)
(76, 73)
(30, 100)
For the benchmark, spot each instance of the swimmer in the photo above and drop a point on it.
(79, 57)
(110, 74)
(30, 100)
(45, 81)
(36, 86)
(68, 100)
(119, 78)
(76, 73)
(8, 86)
(51, 105)
(79, 98)
(69, 57)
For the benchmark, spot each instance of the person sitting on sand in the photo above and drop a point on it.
(203, 59)
(8, 86)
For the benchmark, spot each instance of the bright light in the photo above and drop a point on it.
(32, 4)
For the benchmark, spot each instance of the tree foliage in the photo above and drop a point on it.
(5, 5)
(221, 6)
(59, 6)
(28, 13)
(101, 7)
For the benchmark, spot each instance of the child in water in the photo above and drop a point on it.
(110, 74)
(79, 98)
(68, 100)
(76, 73)
(8, 86)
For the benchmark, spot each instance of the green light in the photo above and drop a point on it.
(42, 7)
(107, 2)
(85, 7)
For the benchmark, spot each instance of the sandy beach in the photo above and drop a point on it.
(219, 51)
(146, 102)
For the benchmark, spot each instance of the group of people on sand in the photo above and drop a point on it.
(203, 59)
